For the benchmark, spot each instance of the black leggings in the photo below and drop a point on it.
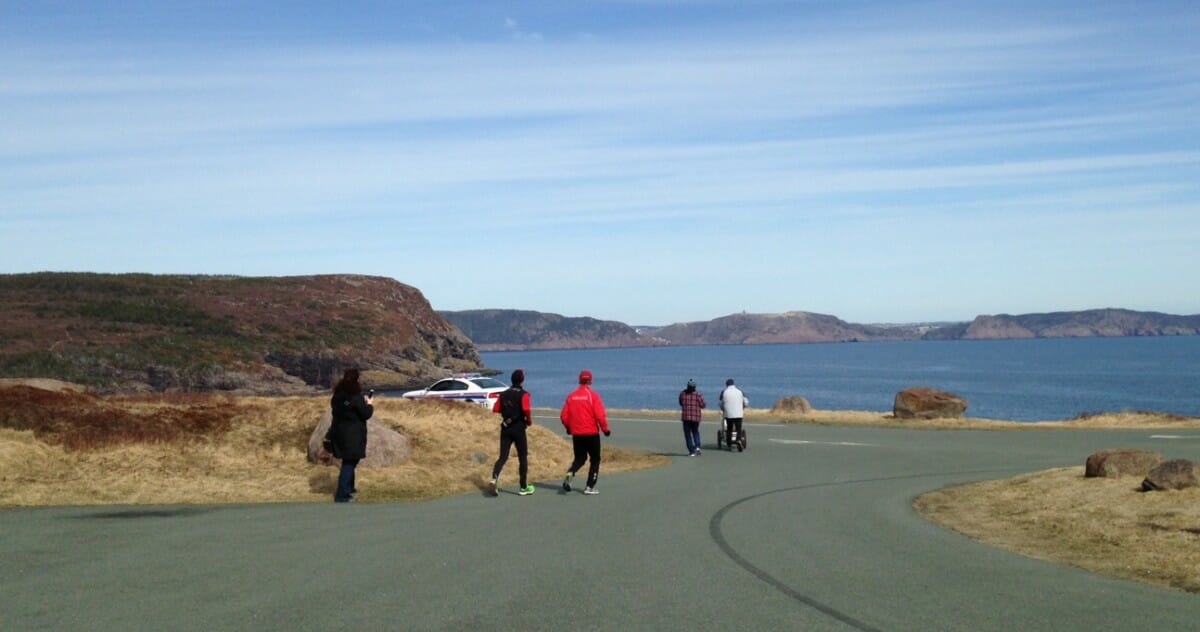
(510, 435)
(587, 448)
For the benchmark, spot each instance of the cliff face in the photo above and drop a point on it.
(510, 330)
(138, 332)
(1095, 322)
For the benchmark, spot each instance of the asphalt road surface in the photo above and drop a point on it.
(810, 529)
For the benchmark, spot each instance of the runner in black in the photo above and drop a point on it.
(516, 414)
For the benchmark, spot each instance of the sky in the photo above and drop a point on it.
(646, 161)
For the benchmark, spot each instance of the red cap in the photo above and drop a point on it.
(585, 377)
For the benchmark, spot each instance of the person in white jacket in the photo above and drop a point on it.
(733, 409)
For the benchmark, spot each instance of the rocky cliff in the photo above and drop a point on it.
(1088, 323)
(139, 332)
(509, 330)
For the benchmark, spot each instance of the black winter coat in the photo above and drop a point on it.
(349, 428)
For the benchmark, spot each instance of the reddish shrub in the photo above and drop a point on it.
(81, 421)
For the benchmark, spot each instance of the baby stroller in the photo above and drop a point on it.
(728, 438)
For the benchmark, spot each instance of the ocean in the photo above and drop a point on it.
(1021, 380)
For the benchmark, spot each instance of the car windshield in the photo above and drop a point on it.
(487, 382)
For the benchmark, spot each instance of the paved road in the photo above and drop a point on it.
(810, 529)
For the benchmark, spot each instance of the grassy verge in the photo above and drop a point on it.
(1099, 524)
(70, 448)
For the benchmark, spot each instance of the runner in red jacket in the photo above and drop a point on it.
(584, 418)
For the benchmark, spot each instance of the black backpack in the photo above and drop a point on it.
(510, 406)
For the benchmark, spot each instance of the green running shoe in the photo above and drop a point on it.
(567, 482)
(492, 487)
(526, 490)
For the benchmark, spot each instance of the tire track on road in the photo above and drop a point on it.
(718, 537)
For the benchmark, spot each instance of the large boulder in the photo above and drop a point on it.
(793, 404)
(927, 403)
(1174, 474)
(384, 445)
(1121, 462)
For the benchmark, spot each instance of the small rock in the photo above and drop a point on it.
(793, 404)
(1174, 474)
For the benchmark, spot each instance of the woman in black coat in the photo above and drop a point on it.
(348, 432)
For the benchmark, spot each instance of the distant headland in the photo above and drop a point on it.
(512, 330)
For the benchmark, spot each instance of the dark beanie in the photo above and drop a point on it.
(518, 377)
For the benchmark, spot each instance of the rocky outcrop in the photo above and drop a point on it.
(927, 403)
(1173, 474)
(991, 327)
(384, 446)
(244, 335)
(793, 404)
(1121, 462)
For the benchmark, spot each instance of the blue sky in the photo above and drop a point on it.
(644, 161)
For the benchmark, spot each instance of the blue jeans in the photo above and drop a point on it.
(345, 485)
(691, 434)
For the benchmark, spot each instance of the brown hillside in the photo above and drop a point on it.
(789, 327)
(268, 335)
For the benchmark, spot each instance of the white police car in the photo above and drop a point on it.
(464, 387)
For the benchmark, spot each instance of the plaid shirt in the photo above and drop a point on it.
(692, 403)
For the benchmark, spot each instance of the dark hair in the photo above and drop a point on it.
(518, 377)
(349, 383)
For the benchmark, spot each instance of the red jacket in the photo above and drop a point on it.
(583, 413)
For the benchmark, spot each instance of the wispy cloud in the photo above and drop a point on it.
(643, 135)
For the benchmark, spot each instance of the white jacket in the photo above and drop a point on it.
(733, 402)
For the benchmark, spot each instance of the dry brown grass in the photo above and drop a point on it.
(1100, 524)
(249, 449)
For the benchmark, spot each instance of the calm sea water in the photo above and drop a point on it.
(1024, 380)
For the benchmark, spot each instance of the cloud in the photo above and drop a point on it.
(651, 138)
(517, 33)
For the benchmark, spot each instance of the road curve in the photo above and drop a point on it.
(811, 528)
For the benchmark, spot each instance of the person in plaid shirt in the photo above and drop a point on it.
(692, 402)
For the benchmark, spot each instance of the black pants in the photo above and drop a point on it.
(587, 448)
(733, 425)
(513, 434)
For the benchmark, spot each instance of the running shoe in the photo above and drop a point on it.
(591, 491)
(492, 487)
(526, 490)
(567, 482)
